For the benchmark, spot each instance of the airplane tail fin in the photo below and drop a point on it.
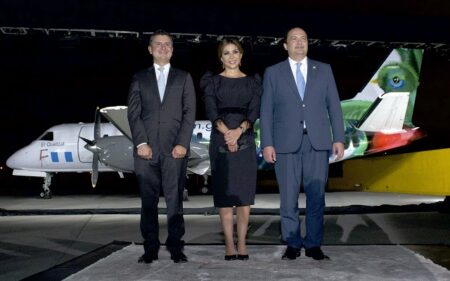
(399, 73)
(380, 116)
(386, 114)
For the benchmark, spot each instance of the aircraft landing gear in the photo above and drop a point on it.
(46, 193)
(195, 184)
(205, 188)
(185, 195)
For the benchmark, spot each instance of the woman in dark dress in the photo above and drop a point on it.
(232, 101)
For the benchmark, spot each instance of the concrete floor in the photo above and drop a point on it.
(33, 240)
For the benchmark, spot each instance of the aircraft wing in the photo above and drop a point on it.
(387, 114)
(198, 151)
(199, 159)
(117, 115)
(199, 155)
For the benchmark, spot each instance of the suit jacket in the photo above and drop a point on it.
(162, 124)
(283, 112)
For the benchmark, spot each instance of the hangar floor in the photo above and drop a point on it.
(37, 234)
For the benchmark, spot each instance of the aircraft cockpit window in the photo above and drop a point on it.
(47, 136)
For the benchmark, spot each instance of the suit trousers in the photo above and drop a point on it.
(167, 174)
(311, 166)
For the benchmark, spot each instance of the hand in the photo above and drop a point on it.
(338, 150)
(233, 148)
(145, 152)
(269, 154)
(179, 151)
(231, 136)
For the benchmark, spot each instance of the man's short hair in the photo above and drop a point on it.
(160, 32)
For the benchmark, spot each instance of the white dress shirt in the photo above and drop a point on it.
(303, 68)
(166, 71)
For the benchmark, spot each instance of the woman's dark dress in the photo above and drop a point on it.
(232, 100)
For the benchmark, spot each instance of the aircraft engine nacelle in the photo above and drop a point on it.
(116, 152)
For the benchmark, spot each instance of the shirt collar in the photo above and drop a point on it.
(166, 67)
(293, 63)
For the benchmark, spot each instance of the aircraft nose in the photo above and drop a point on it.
(12, 162)
(18, 160)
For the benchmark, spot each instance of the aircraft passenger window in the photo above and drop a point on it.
(199, 136)
(48, 136)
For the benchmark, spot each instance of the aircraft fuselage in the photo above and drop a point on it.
(60, 149)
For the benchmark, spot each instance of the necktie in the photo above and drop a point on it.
(161, 82)
(300, 81)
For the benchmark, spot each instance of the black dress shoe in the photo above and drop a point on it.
(316, 253)
(230, 257)
(178, 256)
(242, 257)
(291, 253)
(148, 257)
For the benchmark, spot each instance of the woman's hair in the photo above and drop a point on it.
(227, 41)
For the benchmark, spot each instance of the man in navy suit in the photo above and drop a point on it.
(161, 114)
(301, 125)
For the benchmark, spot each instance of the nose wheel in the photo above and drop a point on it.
(46, 192)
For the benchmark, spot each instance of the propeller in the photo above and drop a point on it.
(91, 145)
(94, 175)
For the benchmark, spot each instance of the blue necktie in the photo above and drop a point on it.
(300, 80)
(161, 83)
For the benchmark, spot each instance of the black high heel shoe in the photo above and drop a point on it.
(230, 257)
(242, 257)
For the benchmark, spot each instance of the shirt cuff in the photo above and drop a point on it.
(141, 144)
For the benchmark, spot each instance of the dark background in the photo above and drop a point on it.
(52, 79)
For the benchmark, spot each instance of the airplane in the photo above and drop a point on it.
(69, 148)
(377, 119)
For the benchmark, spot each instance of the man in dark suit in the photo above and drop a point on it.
(161, 114)
(301, 125)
